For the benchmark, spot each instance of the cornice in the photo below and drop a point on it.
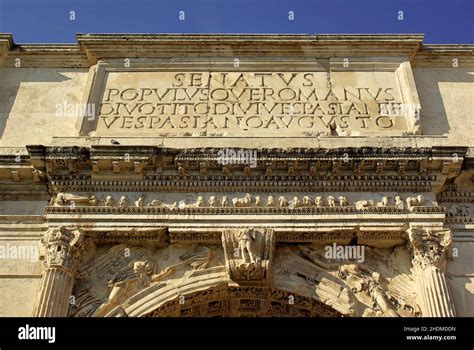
(365, 183)
(452, 193)
(93, 47)
(192, 213)
(121, 162)
(127, 168)
(464, 49)
(6, 42)
(445, 55)
(103, 46)
(40, 55)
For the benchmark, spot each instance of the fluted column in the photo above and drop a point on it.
(63, 248)
(430, 247)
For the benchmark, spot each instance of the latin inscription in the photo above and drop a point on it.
(230, 103)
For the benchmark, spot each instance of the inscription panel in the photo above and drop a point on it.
(239, 104)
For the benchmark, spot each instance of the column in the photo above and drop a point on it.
(429, 248)
(63, 248)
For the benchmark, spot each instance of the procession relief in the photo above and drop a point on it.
(248, 200)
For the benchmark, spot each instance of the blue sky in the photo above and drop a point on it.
(48, 21)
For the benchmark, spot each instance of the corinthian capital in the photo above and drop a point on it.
(63, 247)
(429, 246)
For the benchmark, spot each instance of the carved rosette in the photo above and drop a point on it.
(63, 248)
(429, 247)
(248, 253)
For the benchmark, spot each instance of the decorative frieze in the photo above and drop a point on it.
(281, 201)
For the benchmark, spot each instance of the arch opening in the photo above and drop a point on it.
(243, 301)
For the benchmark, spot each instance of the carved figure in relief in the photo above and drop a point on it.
(140, 202)
(155, 203)
(399, 203)
(143, 275)
(353, 277)
(123, 289)
(248, 254)
(384, 202)
(378, 296)
(319, 201)
(123, 202)
(296, 202)
(306, 201)
(247, 246)
(198, 260)
(212, 201)
(414, 201)
(283, 202)
(362, 280)
(258, 201)
(159, 203)
(109, 201)
(343, 202)
(224, 202)
(331, 201)
(199, 203)
(363, 204)
(270, 202)
(404, 306)
(243, 201)
(63, 199)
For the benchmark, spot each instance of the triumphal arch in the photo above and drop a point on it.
(236, 175)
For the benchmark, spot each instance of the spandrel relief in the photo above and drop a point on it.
(381, 285)
(116, 273)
